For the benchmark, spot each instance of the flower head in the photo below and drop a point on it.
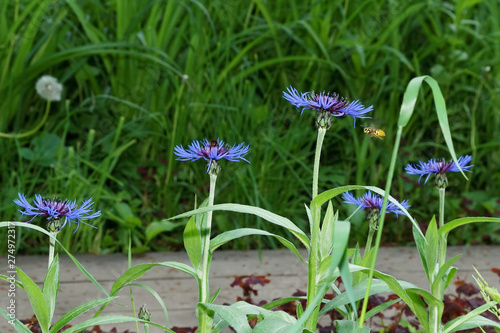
(49, 88)
(57, 209)
(144, 313)
(212, 151)
(438, 168)
(373, 202)
(326, 104)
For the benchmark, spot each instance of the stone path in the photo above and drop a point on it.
(179, 290)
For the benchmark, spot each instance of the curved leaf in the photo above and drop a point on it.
(112, 319)
(444, 230)
(75, 312)
(265, 214)
(137, 271)
(408, 106)
(77, 263)
(470, 320)
(17, 324)
(242, 232)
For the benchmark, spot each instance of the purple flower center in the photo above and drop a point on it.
(56, 206)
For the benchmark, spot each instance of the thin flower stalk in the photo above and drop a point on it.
(33, 130)
(212, 152)
(387, 189)
(205, 320)
(327, 106)
(439, 168)
(315, 233)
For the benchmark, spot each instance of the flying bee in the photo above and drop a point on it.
(214, 143)
(375, 132)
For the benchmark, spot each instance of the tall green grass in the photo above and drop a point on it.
(143, 76)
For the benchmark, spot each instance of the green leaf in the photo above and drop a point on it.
(192, 243)
(16, 323)
(44, 151)
(242, 232)
(51, 286)
(113, 319)
(236, 314)
(444, 230)
(158, 227)
(347, 280)
(421, 243)
(470, 320)
(139, 270)
(232, 315)
(265, 214)
(37, 300)
(326, 231)
(300, 311)
(339, 236)
(328, 195)
(381, 307)
(432, 248)
(8, 279)
(77, 263)
(358, 291)
(75, 312)
(408, 106)
(350, 326)
(443, 274)
(272, 325)
(214, 296)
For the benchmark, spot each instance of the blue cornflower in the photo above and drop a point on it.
(438, 168)
(56, 209)
(323, 102)
(212, 151)
(373, 202)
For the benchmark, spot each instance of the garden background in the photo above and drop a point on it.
(143, 76)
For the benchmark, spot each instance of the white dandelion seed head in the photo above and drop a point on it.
(49, 88)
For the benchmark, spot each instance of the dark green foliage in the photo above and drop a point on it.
(144, 76)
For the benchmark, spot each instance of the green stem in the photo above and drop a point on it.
(205, 322)
(388, 184)
(317, 155)
(315, 237)
(371, 232)
(52, 247)
(33, 131)
(438, 292)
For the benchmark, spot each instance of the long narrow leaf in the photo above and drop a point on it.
(75, 312)
(242, 232)
(20, 328)
(37, 300)
(469, 320)
(112, 319)
(265, 214)
(51, 286)
(408, 106)
(444, 230)
(77, 263)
